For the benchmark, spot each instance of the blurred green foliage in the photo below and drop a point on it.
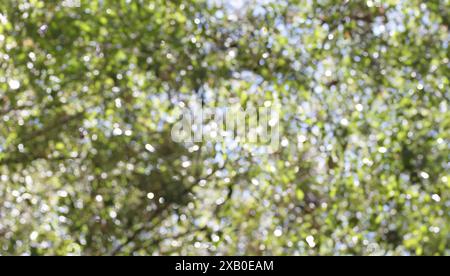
(89, 91)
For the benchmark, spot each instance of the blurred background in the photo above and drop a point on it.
(89, 92)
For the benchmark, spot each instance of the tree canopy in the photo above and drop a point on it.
(90, 90)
